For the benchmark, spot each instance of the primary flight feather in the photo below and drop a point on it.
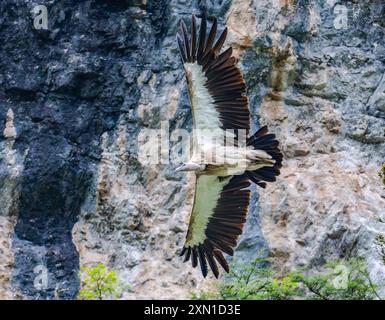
(223, 172)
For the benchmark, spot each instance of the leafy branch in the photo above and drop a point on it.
(339, 280)
(99, 283)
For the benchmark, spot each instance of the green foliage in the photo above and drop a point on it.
(252, 282)
(340, 280)
(256, 282)
(99, 284)
(210, 295)
(347, 280)
(246, 281)
(283, 289)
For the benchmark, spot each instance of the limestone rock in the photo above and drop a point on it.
(75, 99)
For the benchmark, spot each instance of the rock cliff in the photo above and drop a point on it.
(75, 98)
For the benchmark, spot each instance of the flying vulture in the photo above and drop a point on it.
(217, 96)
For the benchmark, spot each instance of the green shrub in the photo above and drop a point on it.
(99, 283)
(343, 280)
(340, 280)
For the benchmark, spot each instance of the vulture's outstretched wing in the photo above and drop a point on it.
(216, 86)
(217, 95)
(219, 212)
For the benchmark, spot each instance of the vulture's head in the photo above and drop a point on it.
(191, 166)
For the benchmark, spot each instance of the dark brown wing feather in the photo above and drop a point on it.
(261, 140)
(224, 80)
(223, 228)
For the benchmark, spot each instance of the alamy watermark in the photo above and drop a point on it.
(40, 18)
(341, 280)
(341, 17)
(40, 281)
(342, 13)
(161, 146)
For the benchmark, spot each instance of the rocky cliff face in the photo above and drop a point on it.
(74, 99)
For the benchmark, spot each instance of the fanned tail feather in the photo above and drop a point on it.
(261, 140)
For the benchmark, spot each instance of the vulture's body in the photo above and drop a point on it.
(223, 170)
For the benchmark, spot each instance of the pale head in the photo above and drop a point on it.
(191, 166)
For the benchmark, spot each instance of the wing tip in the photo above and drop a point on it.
(205, 255)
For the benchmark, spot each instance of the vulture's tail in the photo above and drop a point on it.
(261, 140)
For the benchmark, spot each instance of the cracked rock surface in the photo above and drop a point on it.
(75, 98)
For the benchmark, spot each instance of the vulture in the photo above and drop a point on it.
(219, 107)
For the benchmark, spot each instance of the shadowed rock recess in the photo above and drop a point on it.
(74, 98)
